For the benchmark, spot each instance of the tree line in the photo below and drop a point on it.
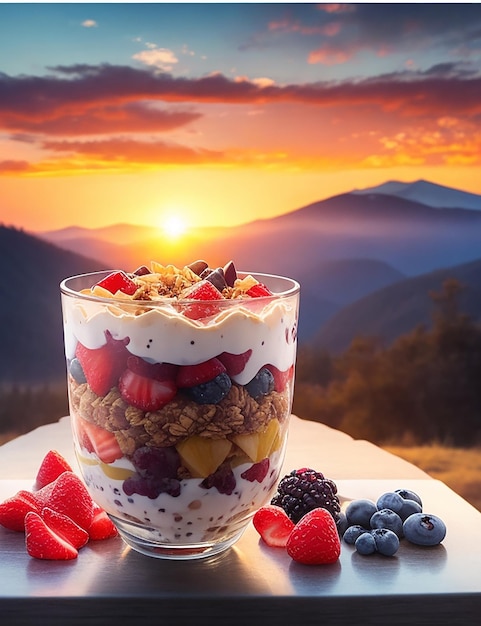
(423, 388)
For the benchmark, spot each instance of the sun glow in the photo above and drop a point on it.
(174, 226)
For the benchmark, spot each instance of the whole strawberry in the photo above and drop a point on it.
(314, 539)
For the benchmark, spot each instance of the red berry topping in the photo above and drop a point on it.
(315, 540)
(99, 440)
(158, 371)
(281, 378)
(257, 471)
(103, 366)
(258, 291)
(147, 394)
(118, 281)
(52, 466)
(273, 525)
(205, 291)
(43, 543)
(234, 363)
(192, 375)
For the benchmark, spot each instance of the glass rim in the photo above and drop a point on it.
(293, 290)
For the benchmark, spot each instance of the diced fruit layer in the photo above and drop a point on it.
(202, 456)
(260, 445)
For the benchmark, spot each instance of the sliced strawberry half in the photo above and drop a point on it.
(14, 510)
(100, 441)
(102, 526)
(43, 543)
(103, 366)
(234, 363)
(65, 527)
(158, 371)
(193, 375)
(259, 290)
(52, 465)
(273, 525)
(146, 394)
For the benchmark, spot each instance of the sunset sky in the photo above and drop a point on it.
(224, 113)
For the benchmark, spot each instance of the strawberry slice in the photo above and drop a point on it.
(43, 543)
(118, 281)
(234, 363)
(259, 290)
(158, 371)
(203, 290)
(65, 527)
(146, 394)
(103, 366)
(315, 540)
(193, 375)
(14, 510)
(273, 525)
(68, 495)
(102, 526)
(52, 465)
(102, 442)
(281, 378)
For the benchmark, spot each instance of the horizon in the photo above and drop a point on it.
(134, 114)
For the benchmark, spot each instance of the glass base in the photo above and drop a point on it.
(142, 541)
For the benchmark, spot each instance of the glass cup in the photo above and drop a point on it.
(180, 409)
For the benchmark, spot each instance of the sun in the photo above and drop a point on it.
(174, 226)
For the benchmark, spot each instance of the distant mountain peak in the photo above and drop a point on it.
(425, 192)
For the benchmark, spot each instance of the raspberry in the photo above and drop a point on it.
(305, 489)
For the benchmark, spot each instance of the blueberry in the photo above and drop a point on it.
(407, 494)
(360, 512)
(261, 384)
(409, 507)
(352, 533)
(76, 371)
(424, 530)
(387, 542)
(365, 544)
(390, 500)
(211, 392)
(385, 518)
(341, 524)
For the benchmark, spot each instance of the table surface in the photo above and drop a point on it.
(250, 583)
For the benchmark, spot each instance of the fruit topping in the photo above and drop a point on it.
(281, 378)
(204, 291)
(305, 489)
(146, 394)
(222, 479)
(118, 281)
(192, 375)
(202, 456)
(43, 543)
(103, 366)
(76, 371)
(273, 525)
(156, 472)
(261, 384)
(259, 445)
(314, 539)
(257, 471)
(211, 392)
(53, 464)
(96, 439)
(234, 363)
(259, 291)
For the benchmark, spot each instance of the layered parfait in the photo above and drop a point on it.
(180, 388)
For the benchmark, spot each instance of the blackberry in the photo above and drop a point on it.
(305, 489)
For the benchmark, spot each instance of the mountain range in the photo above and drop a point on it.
(366, 261)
